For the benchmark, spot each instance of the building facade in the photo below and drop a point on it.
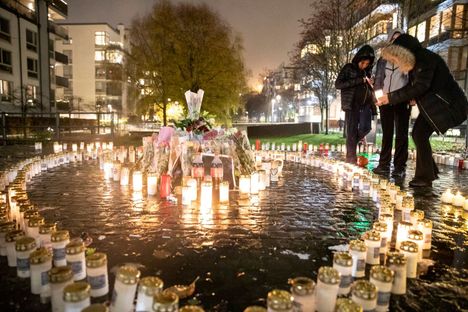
(29, 54)
(95, 70)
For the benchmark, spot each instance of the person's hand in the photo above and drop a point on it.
(412, 102)
(383, 100)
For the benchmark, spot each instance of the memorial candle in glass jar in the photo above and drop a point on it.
(382, 277)
(303, 292)
(425, 226)
(280, 301)
(33, 228)
(59, 278)
(328, 283)
(410, 251)
(45, 235)
(165, 301)
(76, 296)
(5, 227)
(59, 240)
(343, 263)
(124, 176)
(10, 239)
(417, 237)
(40, 262)
(364, 293)
(147, 288)
(152, 183)
(406, 207)
(24, 247)
(381, 227)
(415, 216)
(372, 240)
(347, 305)
(96, 274)
(402, 232)
(75, 256)
(125, 286)
(357, 249)
(397, 263)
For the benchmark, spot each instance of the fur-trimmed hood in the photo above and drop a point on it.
(402, 52)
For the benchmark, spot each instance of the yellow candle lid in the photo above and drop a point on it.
(191, 308)
(60, 274)
(150, 285)
(128, 274)
(357, 245)
(25, 243)
(343, 258)
(364, 289)
(381, 273)
(347, 305)
(409, 246)
(302, 286)
(328, 275)
(96, 260)
(76, 292)
(280, 299)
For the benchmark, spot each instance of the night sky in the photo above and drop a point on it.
(270, 28)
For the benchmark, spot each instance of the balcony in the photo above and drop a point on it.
(60, 7)
(58, 30)
(20, 9)
(61, 81)
(61, 58)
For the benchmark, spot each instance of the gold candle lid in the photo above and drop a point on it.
(60, 274)
(380, 226)
(35, 221)
(165, 301)
(96, 260)
(25, 243)
(343, 258)
(74, 247)
(415, 235)
(385, 217)
(255, 309)
(347, 305)
(23, 208)
(396, 258)
(357, 245)
(426, 223)
(408, 202)
(191, 308)
(40, 255)
(150, 285)
(12, 236)
(76, 292)
(409, 246)
(328, 275)
(31, 213)
(382, 273)
(128, 274)
(280, 299)
(364, 290)
(418, 214)
(372, 235)
(60, 236)
(301, 286)
(405, 224)
(97, 307)
(47, 228)
(7, 226)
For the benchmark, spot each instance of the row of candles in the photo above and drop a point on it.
(457, 200)
(57, 266)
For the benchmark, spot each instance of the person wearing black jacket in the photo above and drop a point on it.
(441, 101)
(357, 99)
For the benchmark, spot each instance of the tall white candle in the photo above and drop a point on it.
(137, 180)
(224, 192)
(425, 226)
(152, 183)
(397, 263)
(357, 249)
(326, 291)
(382, 278)
(372, 240)
(410, 251)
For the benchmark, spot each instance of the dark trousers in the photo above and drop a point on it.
(358, 125)
(394, 119)
(426, 168)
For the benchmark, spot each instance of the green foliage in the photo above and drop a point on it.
(179, 47)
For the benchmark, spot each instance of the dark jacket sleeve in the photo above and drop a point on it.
(343, 81)
(422, 79)
(379, 74)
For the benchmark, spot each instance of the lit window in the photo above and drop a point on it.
(101, 38)
(434, 26)
(99, 55)
(459, 17)
(31, 94)
(447, 20)
(6, 90)
(421, 32)
(114, 57)
(412, 31)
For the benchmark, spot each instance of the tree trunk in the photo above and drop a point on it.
(326, 116)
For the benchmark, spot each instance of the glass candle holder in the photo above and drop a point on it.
(328, 283)
(279, 300)
(381, 227)
(373, 241)
(303, 292)
(41, 263)
(343, 263)
(76, 296)
(358, 251)
(152, 184)
(59, 240)
(364, 293)
(244, 185)
(254, 181)
(415, 216)
(165, 185)
(165, 301)
(425, 226)
(402, 232)
(410, 251)
(75, 256)
(96, 272)
(45, 235)
(417, 237)
(24, 247)
(407, 207)
(126, 281)
(116, 171)
(192, 183)
(124, 176)
(397, 263)
(33, 228)
(347, 305)
(382, 277)
(224, 192)
(59, 278)
(206, 200)
(147, 288)
(5, 227)
(186, 195)
(447, 197)
(10, 244)
(137, 181)
(458, 200)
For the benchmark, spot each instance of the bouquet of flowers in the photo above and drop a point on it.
(241, 153)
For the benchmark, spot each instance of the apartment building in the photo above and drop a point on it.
(96, 53)
(28, 54)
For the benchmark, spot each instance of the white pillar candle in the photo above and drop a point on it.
(224, 192)
(137, 181)
(458, 200)
(75, 256)
(147, 288)
(261, 180)
(33, 228)
(59, 240)
(124, 289)
(41, 263)
(254, 177)
(186, 195)
(74, 147)
(96, 274)
(59, 278)
(402, 232)
(388, 219)
(244, 185)
(326, 291)
(417, 237)
(415, 216)
(399, 200)
(116, 170)
(4, 229)
(24, 247)
(364, 293)
(10, 239)
(124, 176)
(303, 292)
(152, 183)
(206, 197)
(192, 183)
(372, 240)
(410, 251)
(397, 263)
(343, 263)
(425, 226)
(357, 249)
(406, 208)
(381, 227)
(447, 197)
(76, 296)
(382, 278)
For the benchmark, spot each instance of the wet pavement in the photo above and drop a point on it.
(242, 252)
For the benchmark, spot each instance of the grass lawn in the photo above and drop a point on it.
(438, 144)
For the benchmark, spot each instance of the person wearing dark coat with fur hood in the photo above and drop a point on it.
(441, 101)
(357, 98)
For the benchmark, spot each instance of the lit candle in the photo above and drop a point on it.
(137, 180)
(465, 204)
(328, 283)
(372, 240)
(406, 207)
(187, 195)
(402, 232)
(378, 94)
(192, 184)
(254, 177)
(458, 200)
(74, 147)
(147, 288)
(224, 192)
(343, 263)
(382, 277)
(165, 186)
(116, 169)
(417, 237)
(388, 219)
(357, 249)
(206, 195)
(410, 251)
(397, 263)
(261, 180)
(41, 262)
(381, 227)
(244, 185)
(125, 287)
(425, 226)
(447, 197)
(108, 173)
(152, 183)
(303, 292)
(415, 216)
(124, 176)
(399, 200)
(364, 293)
